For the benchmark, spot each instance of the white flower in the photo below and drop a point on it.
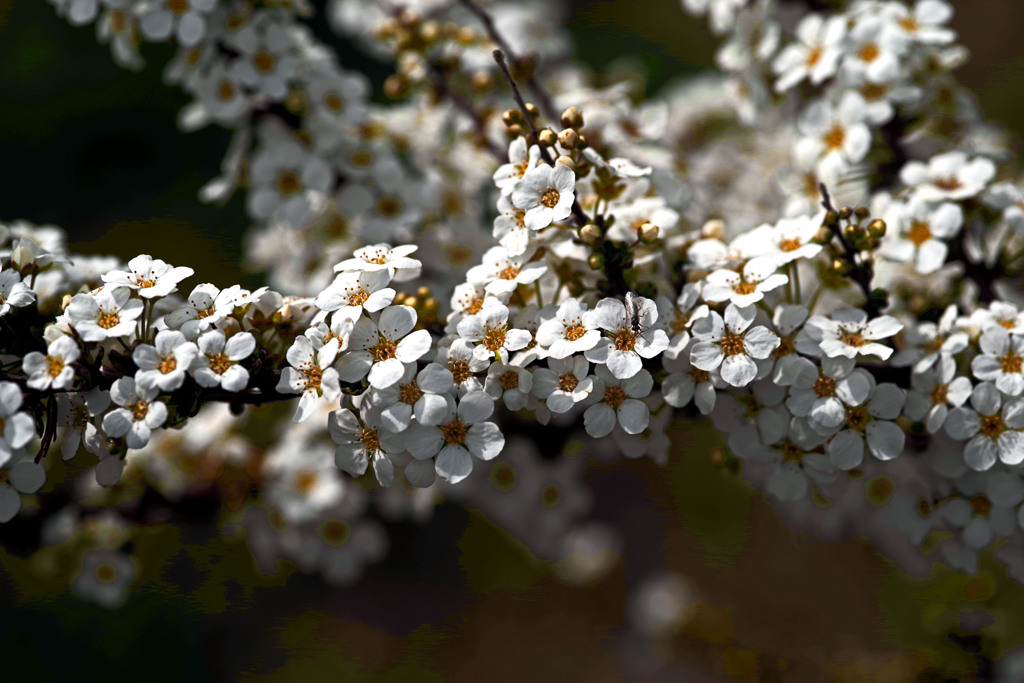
(924, 23)
(816, 56)
(107, 314)
(823, 394)
(786, 241)
(138, 415)
(934, 390)
(848, 333)
(624, 349)
(463, 363)
(208, 305)
(381, 257)
(686, 382)
(16, 428)
(619, 403)
(546, 194)
(150, 277)
(105, 577)
(360, 439)
(679, 318)
(509, 228)
(870, 423)
(1001, 360)
(383, 349)
(836, 136)
(352, 292)
(729, 344)
(918, 231)
(874, 51)
(746, 288)
(54, 369)
(463, 432)
(165, 364)
(286, 180)
(342, 323)
(948, 176)
(992, 429)
(76, 411)
(16, 477)
(489, 330)
(501, 272)
(927, 341)
(311, 375)
(520, 160)
(302, 480)
(13, 292)
(421, 394)
(572, 330)
(216, 364)
(510, 383)
(564, 383)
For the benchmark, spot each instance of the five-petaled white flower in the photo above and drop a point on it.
(572, 330)
(521, 158)
(420, 394)
(462, 433)
(625, 347)
(564, 383)
(934, 390)
(16, 428)
(870, 422)
(16, 477)
(150, 277)
(310, 374)
(216, 364)
(352, 292)
(13, 292)
(489, 330)
(836, 136)
(849, 333)
(382, 349)
(75, 411)
(139, 413)
(510, 383)
(1001, 360)
(53, 370)
(500, 272)
(746, 288)
(728, 343)
(948, 176)
(164, 364)
(815, 57)
(381, 257)
(620, 402)
(918, 231)
(361, 439)
(105, 314)
(993, 429)
(546, 194)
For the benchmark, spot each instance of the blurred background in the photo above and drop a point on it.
(95, 149)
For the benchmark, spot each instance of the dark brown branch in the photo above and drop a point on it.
(859, 272)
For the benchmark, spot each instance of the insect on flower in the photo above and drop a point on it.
(634, 309)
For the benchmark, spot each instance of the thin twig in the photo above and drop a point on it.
(539, 93)
(858, 272)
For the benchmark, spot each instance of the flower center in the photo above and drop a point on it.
(574, 332)
(880, 490)
(858, 418)
(389, 206)
(105, 572)
(868, 52)
(220, 363)
(625, 340)
(948, 184)
(509, 272)
(494, 337)
(178, 7)
(992, 426)
(108, 320)
(873, 92)
(791, 452)
(226, 90)
(908, 24)
(851, 337)
(940, 394)
(305, 481)
(139, 410)
(1010, 363)
(550, 198)
(334, 102)
(358, 297)
(335, 531)
(785, 348)
(743, 287)
(288, 183)
(919, 233)
(459, 369)
(79, 418)
(454, 432)
(410, 393)
(791, 244)
(814, 56)
(169, 364)
(699, 376)
(824, 387)
(614, 396)
(54, 365)
(263, 61)
(503, 476)
(834, 138)
(384, 349)
(567, 382)
(370, 440)
(550, 496)
(509, 380)
(313, 377)
(732, 344)
(679, 322)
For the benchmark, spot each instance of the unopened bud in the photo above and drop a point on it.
(831, 218)
(431, 306)
(595, 261)
(511, 117)
(839, 266)
(482, 81)
(569, 138)
(572, 118)
(423, 292)
(582, 144)
(396, 86)
(648, 233)
(845, 213)
(532, 110)
(851, 232)
(565, 161)
(590, 233)
(877, 228)
(713, 229)
(861, 212)
(516, 131)
(65, 302)
(823, 235)
(430, 31)
(467, 35)
(410, 301)
(547, 138)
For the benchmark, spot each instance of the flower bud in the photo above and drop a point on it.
(65, 302)
(831, 218)
(713, 229)
(823, 235)
(851, 232)
(569, 138)
(516, 131)
(648, 233)
(532, 110)
(423, 292)
(430, 31)
(877, 228)
(845, 213)
(482, 81)
(511, 117)
(595, 261)
(467, 35)
(861, 212)
(590, 233)
(547, 138)
(565, 161)
(572, 118)
(396, 86)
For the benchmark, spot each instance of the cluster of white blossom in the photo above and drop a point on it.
(613, 290)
